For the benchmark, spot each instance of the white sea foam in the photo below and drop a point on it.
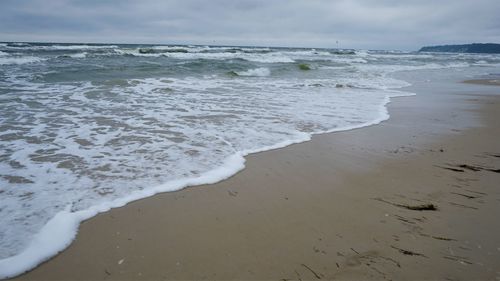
(61, 230)
(81, 47)
(79, 55)
(299, 120)
(261, 71)
(209, 120)
(350, 60)
(362, 53)
(75, 56)
(60, 47)
(192, 55)
(399, 55)
(390, 68)
(481, 62)
(19, 60)
(268, 58)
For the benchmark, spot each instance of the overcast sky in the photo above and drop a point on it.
(366, 24)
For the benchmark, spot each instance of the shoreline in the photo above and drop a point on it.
(284, 173)
(69, 222)
(489, 82)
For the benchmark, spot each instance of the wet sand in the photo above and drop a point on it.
(491, 82)
(343, 206)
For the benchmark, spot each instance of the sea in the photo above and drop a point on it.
(89, 127)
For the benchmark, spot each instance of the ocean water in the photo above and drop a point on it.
(84, 128)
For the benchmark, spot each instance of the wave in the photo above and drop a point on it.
(65, 223)
(390, 68)
(362, 53)
(79, 55)
(183, 54)
(343, 52)
(18, 44)
(45, 244)
(26, 46)
(81, 47)
(75, 56)
(260, 54)
(260, 72)
(274, 58)
(162, 50)
(252, 118)
(19, 60)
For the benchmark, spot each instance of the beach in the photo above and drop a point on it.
(413, 198)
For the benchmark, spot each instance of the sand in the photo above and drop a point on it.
(337, 207)
(491, 82)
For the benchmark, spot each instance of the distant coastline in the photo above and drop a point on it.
(487, 48)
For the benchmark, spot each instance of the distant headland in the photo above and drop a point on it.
(487, 48)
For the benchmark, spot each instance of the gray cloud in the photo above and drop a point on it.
(386, 24)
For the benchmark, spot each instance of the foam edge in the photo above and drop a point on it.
(61, 230)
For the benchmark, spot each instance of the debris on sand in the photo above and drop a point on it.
(419, 207)
(462, 167)
(408, 252)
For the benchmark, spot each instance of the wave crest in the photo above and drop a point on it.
(260, 72)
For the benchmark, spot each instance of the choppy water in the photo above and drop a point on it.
(92, 125)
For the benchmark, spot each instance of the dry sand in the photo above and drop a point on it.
(332, 208)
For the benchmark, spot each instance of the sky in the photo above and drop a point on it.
(358, 24)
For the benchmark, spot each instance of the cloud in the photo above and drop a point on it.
(386, 24)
